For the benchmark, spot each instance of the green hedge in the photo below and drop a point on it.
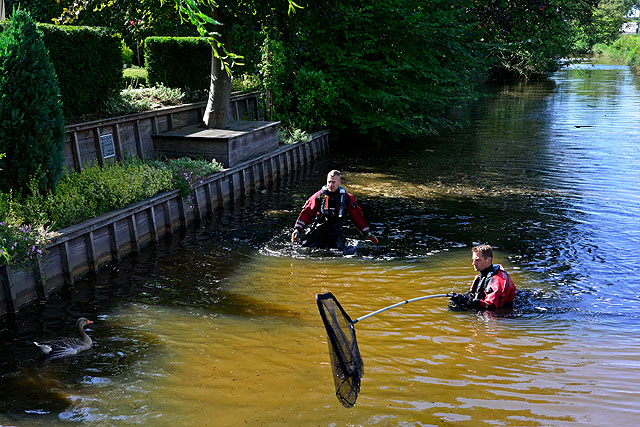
(178, 62)
(88, 63)
(135, 77)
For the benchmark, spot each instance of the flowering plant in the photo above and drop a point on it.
(21, 245)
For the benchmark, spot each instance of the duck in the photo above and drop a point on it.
(61, 347)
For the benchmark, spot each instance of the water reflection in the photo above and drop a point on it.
(219, 323)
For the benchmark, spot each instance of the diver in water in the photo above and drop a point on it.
(327, 209)
(491, 289)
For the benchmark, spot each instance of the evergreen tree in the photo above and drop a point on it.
(31, 122)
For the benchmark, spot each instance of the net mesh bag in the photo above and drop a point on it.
(346, 362)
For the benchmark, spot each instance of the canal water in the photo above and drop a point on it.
(217, 325)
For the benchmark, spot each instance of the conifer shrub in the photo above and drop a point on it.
(31, 121)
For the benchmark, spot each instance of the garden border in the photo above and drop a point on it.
(86, 247)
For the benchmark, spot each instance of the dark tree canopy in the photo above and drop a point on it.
(374, 66)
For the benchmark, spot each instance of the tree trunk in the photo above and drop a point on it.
(218, 109)
(1, 10)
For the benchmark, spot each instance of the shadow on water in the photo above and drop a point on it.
(533, 174)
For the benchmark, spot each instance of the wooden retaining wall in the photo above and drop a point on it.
(110, 140)
(87, 246)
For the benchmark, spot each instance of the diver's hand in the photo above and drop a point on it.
(373, 238)
(460, 300)
(294, 236)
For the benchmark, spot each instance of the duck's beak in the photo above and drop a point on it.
(89, 322)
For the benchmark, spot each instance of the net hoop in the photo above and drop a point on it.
(346, 362)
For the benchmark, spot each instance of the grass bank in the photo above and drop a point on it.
(626, 50)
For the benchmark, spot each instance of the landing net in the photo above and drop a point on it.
(346, 362)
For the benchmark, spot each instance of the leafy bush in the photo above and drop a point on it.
(133, 100)
(20, 243)
(396, 68)
(187, 172)
(246, 83)
(31, 124)
(98, 190)
(315, 96)
(127, 53)
(625, 49)
(25, 221)
(292, 135)
(134, 77)
(274, 72)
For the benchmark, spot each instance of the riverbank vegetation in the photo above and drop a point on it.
(376, 68)
(625, 50)
(373, 69)
(29, 219)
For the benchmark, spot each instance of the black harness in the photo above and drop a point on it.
(332, 206)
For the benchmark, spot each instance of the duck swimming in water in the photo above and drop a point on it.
(61, 347)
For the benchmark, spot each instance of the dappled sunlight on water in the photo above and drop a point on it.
(381, 185)
(269, 364)
(218, 325)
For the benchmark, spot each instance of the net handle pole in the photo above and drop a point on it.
(399, 304)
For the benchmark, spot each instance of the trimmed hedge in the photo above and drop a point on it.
(135, 77)
(178, 62)
(88, 63)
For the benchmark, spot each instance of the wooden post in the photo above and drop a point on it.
(138, 137)
(117, 142)
(8, 298)
(232, 190)
(153, 228)
(96, 140)
(208, 197)
(66, 264)
(219, 192)
(154, 125)
(91, 252)
(168, 224)
(75, 152)
(39, 279)
(196, 203)
(183, 217)
(115, 250)
(243, 182)
(133, 232)
(170, 122)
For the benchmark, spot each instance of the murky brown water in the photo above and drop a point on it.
(219, 327)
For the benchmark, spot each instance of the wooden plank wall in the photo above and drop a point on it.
(85, 247)
(132, 133)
